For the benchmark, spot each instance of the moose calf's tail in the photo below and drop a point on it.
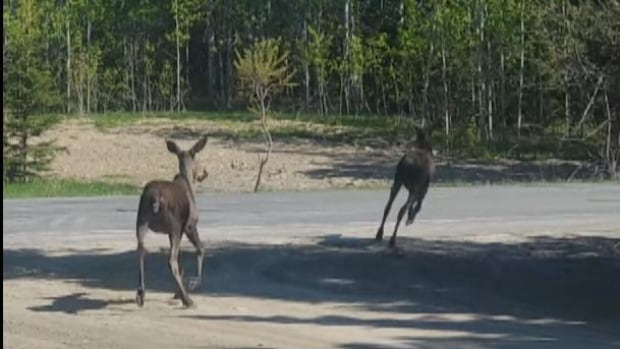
(151, 202)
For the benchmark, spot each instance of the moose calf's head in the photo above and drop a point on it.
(422, 140)
(187, 157)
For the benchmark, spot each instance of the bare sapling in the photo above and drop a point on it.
(263, 72)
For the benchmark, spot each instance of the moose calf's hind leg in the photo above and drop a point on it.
(177, 294)
(140, 293)
(173, 263)
(401, 213)
(413, 210)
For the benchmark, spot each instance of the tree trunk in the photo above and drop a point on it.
(482, 89)
(345, 74)
(88, 77)
(473, 93)
(210, 61)
(306, 68)
(222, 94)
(69, 73)
(228, 87)
(178, 49)
(187, 83)
(541, 95)
(23, 149)
(490, 85)
(427, 74)
(611, 160)
(229, 69)
(132, 69)
(521, 71)
(145, 82)
(502, 88)
(444, 77)
(566, 77)
(79, 90)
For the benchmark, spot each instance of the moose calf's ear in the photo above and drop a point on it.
(172, 147)
(196, 148)
(419, 133)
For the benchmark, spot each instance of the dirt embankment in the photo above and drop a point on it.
(137, 154)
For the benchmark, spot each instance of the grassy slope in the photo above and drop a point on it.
(374, 131)
(359, 130)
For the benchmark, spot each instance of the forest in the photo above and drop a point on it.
(479, 72)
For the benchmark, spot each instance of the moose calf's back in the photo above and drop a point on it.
(161, 199)
(416, 164)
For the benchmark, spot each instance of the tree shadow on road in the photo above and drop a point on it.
(507, 287)
(381, 166)
(76, 302)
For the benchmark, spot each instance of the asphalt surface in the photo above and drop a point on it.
(446, 212)
(448, 298)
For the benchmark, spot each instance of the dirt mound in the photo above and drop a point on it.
(137, 154)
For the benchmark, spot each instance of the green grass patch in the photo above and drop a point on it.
(119, 119)
(66, 188)
(359, 130)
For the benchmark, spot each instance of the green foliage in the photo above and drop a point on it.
(263, 70)
(189, 12)
(165, 84)
(28, 90)
(429, 61)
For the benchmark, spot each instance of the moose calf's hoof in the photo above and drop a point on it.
(392, 243)
(188, 303)
(177, 295)
(379, 235)
(140, 298)
(193, 284)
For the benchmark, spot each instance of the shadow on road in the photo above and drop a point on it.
(76, 302)
(507, 287)
(381, 167)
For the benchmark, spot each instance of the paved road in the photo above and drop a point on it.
(261, 305)
(446, 212)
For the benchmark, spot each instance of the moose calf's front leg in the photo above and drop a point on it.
(393, 192)
(194, 238)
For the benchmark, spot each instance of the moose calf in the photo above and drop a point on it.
(169, 207)
(415, 171)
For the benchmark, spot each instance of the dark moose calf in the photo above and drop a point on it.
(169, 207)
(415, 171)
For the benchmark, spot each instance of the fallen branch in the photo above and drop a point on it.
(570, 178)
(201, 177)
(586, 111)
(596, 130)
